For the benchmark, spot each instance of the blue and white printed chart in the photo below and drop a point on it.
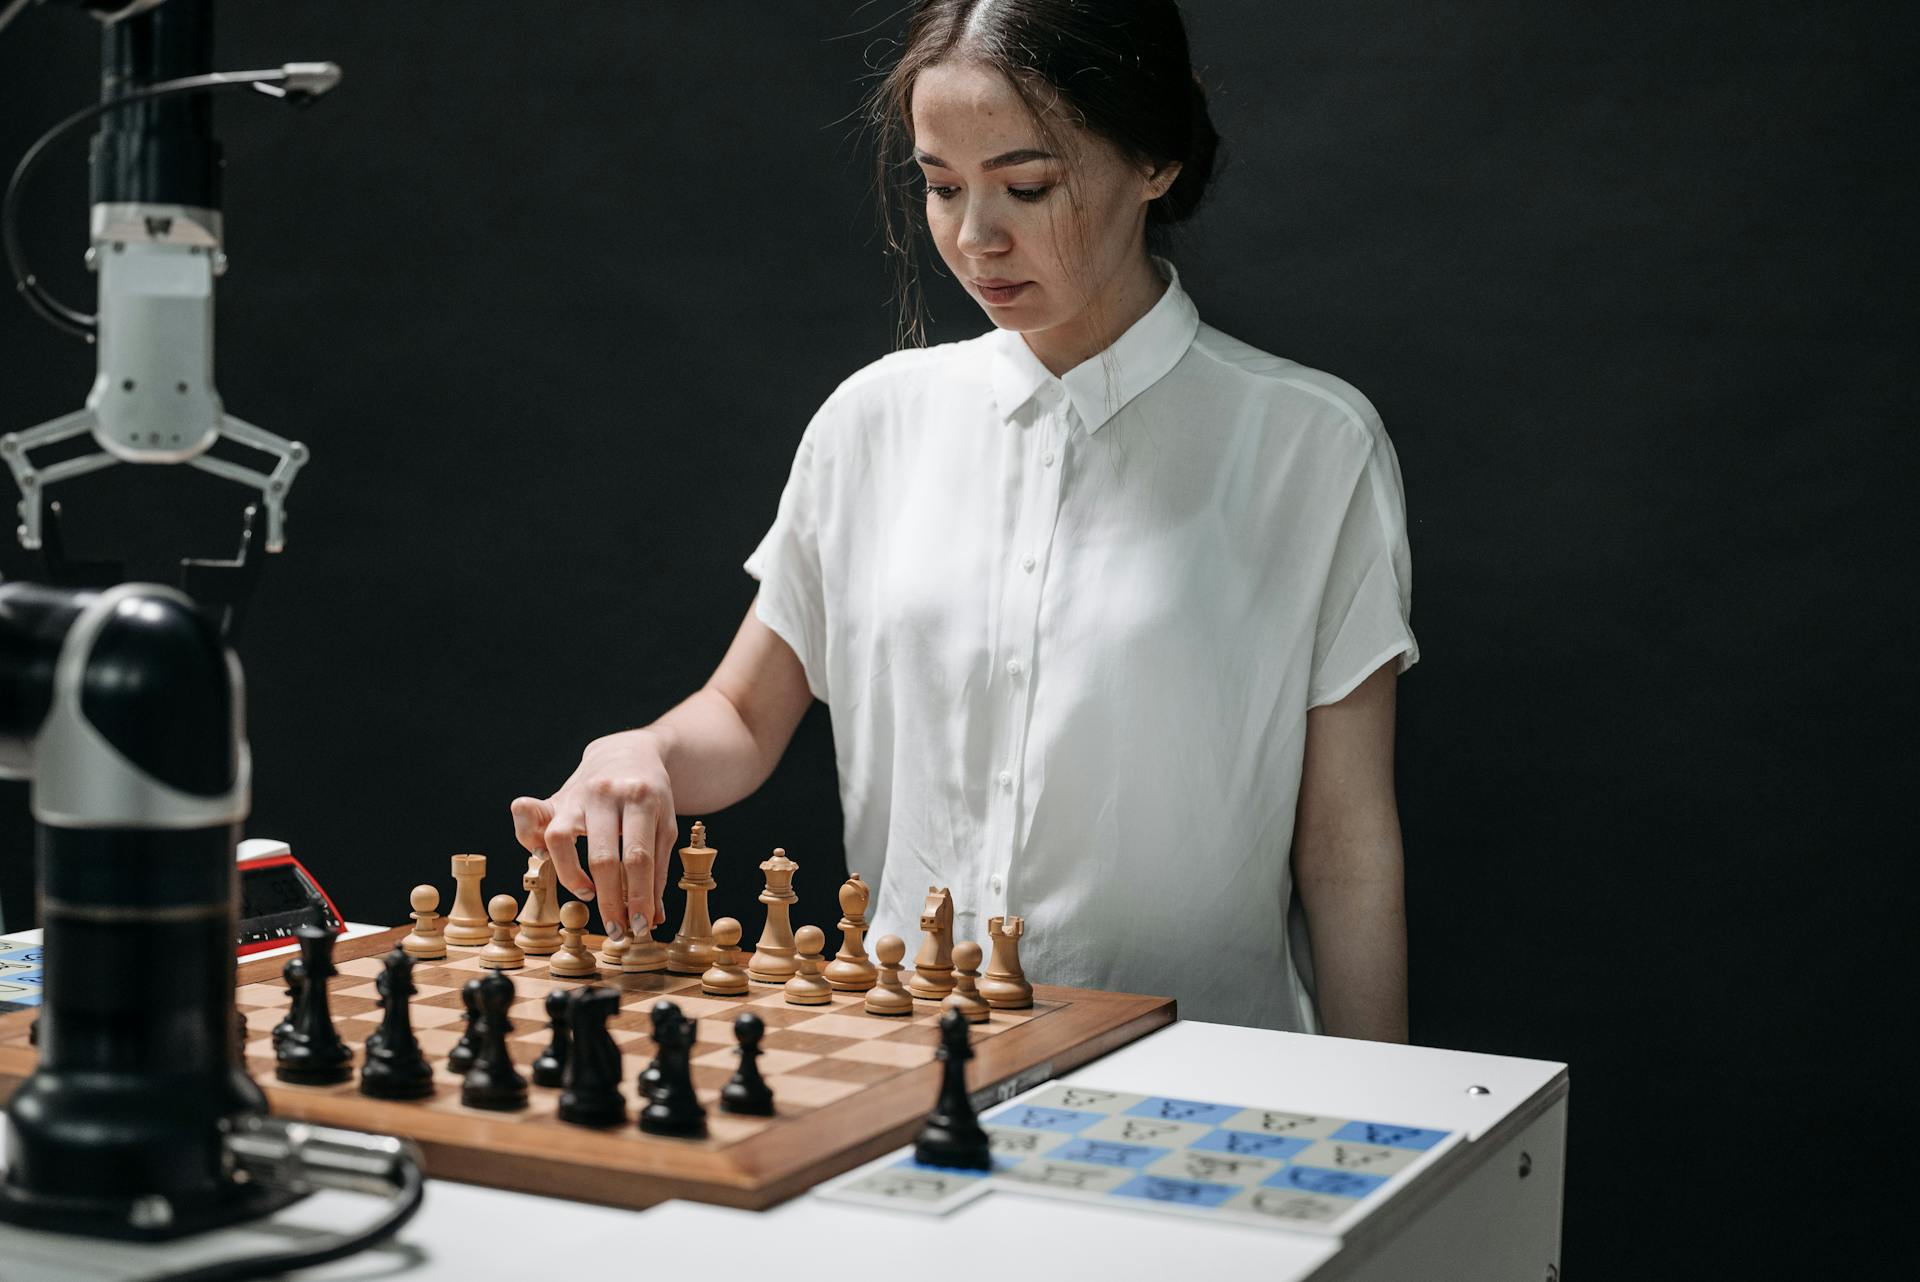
(1223, 1161)
(20, 976)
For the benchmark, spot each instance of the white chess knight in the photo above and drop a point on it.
(540, 916)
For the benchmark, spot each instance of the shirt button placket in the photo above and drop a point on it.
(1035, 533)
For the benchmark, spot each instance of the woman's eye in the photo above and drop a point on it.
(1028, 194)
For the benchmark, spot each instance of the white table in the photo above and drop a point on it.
(1490, 1212)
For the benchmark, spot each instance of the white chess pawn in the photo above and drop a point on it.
(965, 996)
(573, 961)
(727, 977)
(502, 953)
(426, 941)
(808, 987)
(889, 995)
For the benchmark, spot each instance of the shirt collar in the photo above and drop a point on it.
(1151, 346)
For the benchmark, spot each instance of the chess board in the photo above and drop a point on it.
(847, 1086)
(1299, 1171)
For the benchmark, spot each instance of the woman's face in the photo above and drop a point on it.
(1063, 228)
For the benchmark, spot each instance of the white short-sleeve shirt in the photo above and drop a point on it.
(1069, 639)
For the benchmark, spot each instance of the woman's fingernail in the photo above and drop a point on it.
(584, 894)
(616, 930)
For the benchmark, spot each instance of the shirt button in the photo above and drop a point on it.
(1047, 459)
(997, 884)
(1026, 563)
(1006, 778)
(1013, 667)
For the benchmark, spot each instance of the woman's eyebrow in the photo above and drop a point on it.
(1020, 157)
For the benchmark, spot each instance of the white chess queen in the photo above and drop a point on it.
(1108, 605)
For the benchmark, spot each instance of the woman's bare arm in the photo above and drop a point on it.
(711, 749)
(1347, 863)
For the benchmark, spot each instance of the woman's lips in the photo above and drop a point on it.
(1005, 294)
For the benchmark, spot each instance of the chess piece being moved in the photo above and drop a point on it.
(460, 1058)
(727, 977)
(952, 1135)
(808, 987)
(573, 960)
(965, 996)
(502, 953)
(395, 1068)
(747, 1091)
(773, 956)
(889, 996)
(539, 934)
(312, 1054)
(427, 940)
(1005, 986)
(645, 954)
(613, 953)
(691, 951)
(850, 971)
(549, 1069)
(672, 1107)
(933, 964)
(590, 1083)
(467, 923)
(493, 1082)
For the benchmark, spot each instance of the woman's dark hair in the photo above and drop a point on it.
(1118, 68)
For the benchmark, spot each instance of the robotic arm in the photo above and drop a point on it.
(156, 239)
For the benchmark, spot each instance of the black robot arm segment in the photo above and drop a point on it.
(123, 708)
(125, 181)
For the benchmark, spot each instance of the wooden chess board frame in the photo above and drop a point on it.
(624, 1166)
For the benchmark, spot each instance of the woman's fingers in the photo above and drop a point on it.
(532, 818)
(603, 860)
(663, 842)
(638, 829)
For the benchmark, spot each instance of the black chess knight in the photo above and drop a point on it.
(590, 1083)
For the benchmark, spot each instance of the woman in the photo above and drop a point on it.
(1108, 606)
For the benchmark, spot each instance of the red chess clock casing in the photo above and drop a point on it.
(277, 894)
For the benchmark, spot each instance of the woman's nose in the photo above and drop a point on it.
(979, 231)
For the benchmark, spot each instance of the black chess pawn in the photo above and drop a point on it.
(746, 1091)
(290, 975)
(662, 1014)
(952, 1135)
(549, 1069)
(395, 1068)
(493, 1081)
(673, 1108)
(312, 1054)
(460, 1058)
(590, 1084)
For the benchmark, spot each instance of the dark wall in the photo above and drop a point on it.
(551, 291)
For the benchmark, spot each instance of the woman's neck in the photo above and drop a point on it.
(1126, 300)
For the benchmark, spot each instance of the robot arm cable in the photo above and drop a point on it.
(296, 82)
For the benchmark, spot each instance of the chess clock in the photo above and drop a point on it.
(277, 894)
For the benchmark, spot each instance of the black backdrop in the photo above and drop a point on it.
(551, 289)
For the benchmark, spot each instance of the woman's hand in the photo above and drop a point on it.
(723, 741)
(620, 799)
